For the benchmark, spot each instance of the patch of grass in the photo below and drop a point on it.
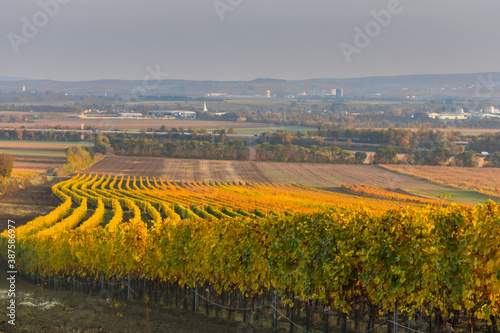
(459, 196)
(26, 152)
(262, 128)
(62, 143)
(481, 180)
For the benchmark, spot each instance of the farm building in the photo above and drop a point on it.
(131, 115)
(173, 113)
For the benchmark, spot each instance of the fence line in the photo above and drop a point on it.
(227, 307)
(271, 305)
(374, 327)
(250, 309)
(405, 327)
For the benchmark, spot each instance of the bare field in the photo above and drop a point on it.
(485, 180)
(20, 166)
(464, 131)
(109, 124)
(38, 145)
(315, 175)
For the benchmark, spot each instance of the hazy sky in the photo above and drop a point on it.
(245, 39)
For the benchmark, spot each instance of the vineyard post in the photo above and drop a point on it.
(308, 316)
(196, 298)
(102, 282)
(275, 315)
(396, 317)
(128, 288)
(388, 322)
(74, 282)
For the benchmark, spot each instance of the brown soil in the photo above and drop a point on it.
(77, 312)
(473, 179)
(109, 124)
(34, 166)
(315, 175)
(24, 205)
(39, 159)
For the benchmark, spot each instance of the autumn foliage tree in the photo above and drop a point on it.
(6, 164)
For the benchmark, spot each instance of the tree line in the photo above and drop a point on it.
(314, 154)
(225, 150)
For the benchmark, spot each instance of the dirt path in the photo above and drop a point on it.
(253, 154)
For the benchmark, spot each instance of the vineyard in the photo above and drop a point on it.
(271, 251)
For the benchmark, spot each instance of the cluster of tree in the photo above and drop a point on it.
(405, 140)
(493, 160)
(225, 150)
(438, 156)
(171, 98)
(6, 164)
(314, 154)
(77, 158)
(486, 142)
(8, 185)
(17, 118)
(196, 133)
(31, 135)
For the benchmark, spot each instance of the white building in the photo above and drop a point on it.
(131, 115)
(491, 109)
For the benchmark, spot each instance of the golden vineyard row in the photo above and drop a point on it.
(291, 238)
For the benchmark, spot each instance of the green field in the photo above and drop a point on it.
(258, 130)
(29, 152)
(455, 195)
(63, 144)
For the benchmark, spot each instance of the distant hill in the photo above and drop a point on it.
(423, 85)
(8, 78)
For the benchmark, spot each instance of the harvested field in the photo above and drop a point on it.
(39, 145)
(485, 180)
(39, 159)
(37, 156)
(107, 124)
(464, 131)
(21, 166)
(315, 175)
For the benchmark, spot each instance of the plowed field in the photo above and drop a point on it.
(315, 175)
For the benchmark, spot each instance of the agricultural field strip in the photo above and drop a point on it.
(108, 197)
(139, 196)
(178, 195)
(388, 195)
(143, 197)
(269, 197)
(29, 152)
(316, 175)
(482, 180)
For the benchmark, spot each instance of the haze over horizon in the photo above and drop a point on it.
(244, 40)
